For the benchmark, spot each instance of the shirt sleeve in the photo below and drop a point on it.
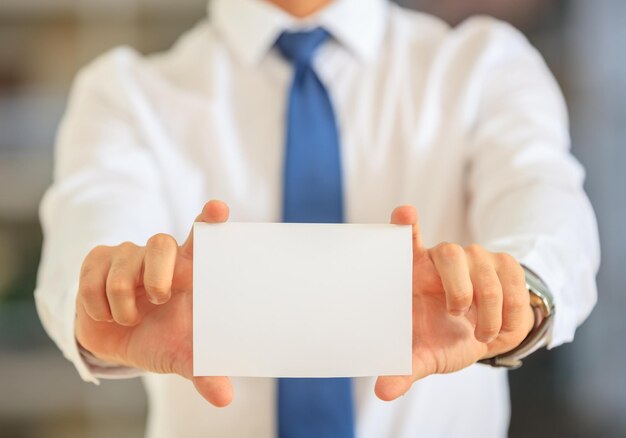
(525, 189)
(105, 191)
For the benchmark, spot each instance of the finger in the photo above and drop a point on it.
(159, 262)
(407, 215)
(389, 388)
(516, 299)
(487, 296)
(213, 212)
(451, 264)
(122, 282)
(92, 284)
(216, 390)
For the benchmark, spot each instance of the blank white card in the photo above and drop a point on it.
(302, 300)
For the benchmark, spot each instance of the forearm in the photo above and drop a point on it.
(105, 191)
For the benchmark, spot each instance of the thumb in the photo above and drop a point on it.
(216, 390)
(389, 388)
(213, 212)
(407, 215)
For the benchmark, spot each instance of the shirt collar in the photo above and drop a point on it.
(250, 27)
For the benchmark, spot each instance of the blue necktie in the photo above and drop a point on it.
(312, 192)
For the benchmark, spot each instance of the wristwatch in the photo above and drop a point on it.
(542, 303)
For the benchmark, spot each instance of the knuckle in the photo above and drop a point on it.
(119, 287)
(485, 274)
(449, 251)
(89, 290)
(85, 272)
(162, 242)
(518, 276)
(93, 258)
(91, 262)
(507, 261)
(475, 250)
(490, 295)
(517, 300)
(126, 247)
(98, 251)
(513, 273)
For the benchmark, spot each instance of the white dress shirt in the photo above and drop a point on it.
(465, 123)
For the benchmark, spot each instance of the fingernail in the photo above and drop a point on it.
(156, 301)
(490, 340)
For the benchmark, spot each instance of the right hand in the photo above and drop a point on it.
(134, 307)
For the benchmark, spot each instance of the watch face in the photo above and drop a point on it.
(537, 302)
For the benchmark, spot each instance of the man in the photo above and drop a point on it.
(321, 111)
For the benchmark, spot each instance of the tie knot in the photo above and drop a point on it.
(299, 47)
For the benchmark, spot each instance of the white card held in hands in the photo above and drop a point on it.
(302, 300)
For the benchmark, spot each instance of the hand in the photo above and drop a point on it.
(468, 304)
(134, 307)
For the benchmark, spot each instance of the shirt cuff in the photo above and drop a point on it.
(99, 368)
(88, 366)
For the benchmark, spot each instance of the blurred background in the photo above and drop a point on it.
(578, 390)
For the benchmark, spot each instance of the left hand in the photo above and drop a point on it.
(468, 304)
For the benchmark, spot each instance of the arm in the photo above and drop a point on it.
(100, 284)
(526, 189)
(526, 207)
(104, 189)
